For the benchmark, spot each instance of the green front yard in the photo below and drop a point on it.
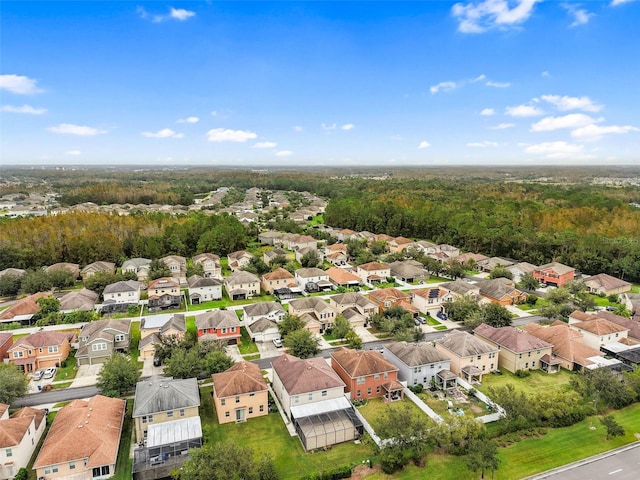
(69, 371)
(246, 345)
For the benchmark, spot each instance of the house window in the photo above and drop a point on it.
(311, 396)
(378, 388)
(47, 470)
(529, 354)
(119, 338)
(385, 376)
(182, 412)
(368, 391)
(357, 393)
(360, 380)
(150, 418)
(479, 357)
(224, 330)
(53, 349)
(72, 465)
(417, 369)
(19, 354)
(144, 419)
(250, 410)
(98, 347)
(222, 402)
(226, 414)
(252, 394)
(170, 414)
(376, 376)
(526, 365)
(233, 329)
(54, 469)
(262, 408)
(296, 399)
(8, 452)
(237, 398)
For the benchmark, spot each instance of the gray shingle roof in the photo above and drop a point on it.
(464, 344)
(161, 394)
(414, 354)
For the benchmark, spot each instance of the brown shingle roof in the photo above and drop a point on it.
(278, 274)
(464, 344)
(360, 363)
(340, 276)
(414, 354)
(303, 376)
(42, 339)
(243, 377)
(24, 306)
(632, 325)
(599, 326)
(517, 341)
(606, 281)
(566, 343)
(84, 429)
(371, 266)
(12, 431)
(217, 319)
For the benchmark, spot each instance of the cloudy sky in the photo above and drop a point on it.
(518, 82)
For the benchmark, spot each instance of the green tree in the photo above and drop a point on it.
(584, 301)
(48, 305)
(13, 383)
(496, 315)
(603, 385)
(353, 340)
(216, 362)
(528, 282)
(341, 327)
(61, 278)
(459, 309)
(158, 269)
(290, 323)
(184, 363)
(453, 269)
(34, 281)
(257, 266)
(9, 285)
(455, 433)
(614, 429)
(118, 375)
(310, 259)
(500, 271)
(482, 455)
(302, 343)
(278, 261)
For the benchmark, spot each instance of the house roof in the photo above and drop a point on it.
(402, 240)
(463, 344)
(606, 282)
(557, 267)
(511, 338)
(631, 324)
(337, 247)
(262, 325)
(5, 337)
(241, 276)
(493, 262)
(196, 281)
(262, 308)
(241, 378)
(373, 266)
(84, 299)
(276, 252)
(151, 339)
(161, 394)
(360, 363)
(99, 266)
(278, 274)
(12, 431)
(303, 376)
(498, 288)
(310, 272)
(3, 408)
(310, 303)
(407, 269)
(122, 287)
(217, 319)
(72, 268)
(92, 329)
(30, 412)
(135, 263)
(433, 292)
(24, 306)
(385, 294)
(342, 277)
(44, 338)
(174, 259)
(599, 326)
(239, 255)
(352, 298)
(164, 282)
(84, 430)
(567, 343)
(414, 354)
(177, 322)
(465, 257)
(203, 257)
(461, 287)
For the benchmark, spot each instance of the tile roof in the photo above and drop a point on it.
(557, 267)
(388, 294)
(463, 344)
(340, 276)
(84, 429)
(599, 326)
(360, 363)
(24, 306)
(511, 338)
(164, 282)
(303, 376)
(310, 272)
(12, 431)
(241, 378)
(567, 343)
(241, 276)
(414, 354)
(371, 266)
(161, 394)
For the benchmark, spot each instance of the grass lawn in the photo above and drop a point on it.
(375, 408)
(191, 324)
(246, 345)
(475, 409)
(604, 301)
(536, 382)
(440, 327)
(268, 435)
(226, 302)
(68, 372)
(436, 279)
(57, 386)
(432, 322)
(124, 464)
(134, 353)
(248, 358)
(317, 220)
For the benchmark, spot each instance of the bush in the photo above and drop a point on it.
(532, 299)
(21, 475)
(335, 474)
(613, 298)
(417, 389)
(522, 373)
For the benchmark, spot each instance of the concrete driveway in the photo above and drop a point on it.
(268, 349)
(149, 370)
(86, 376)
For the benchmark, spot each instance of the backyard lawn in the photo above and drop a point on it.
(474, 408)
(268, 435)
(375, 408)
(226, 302)
(536, 382)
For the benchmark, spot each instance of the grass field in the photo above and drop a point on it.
(124, 464)
(69, 372)
(246, 346)
(536, 382)
(226, 302)
(375, 409)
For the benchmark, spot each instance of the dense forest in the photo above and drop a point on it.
(495, 212)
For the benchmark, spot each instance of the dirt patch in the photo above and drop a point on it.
(476, 409)
(363, 471)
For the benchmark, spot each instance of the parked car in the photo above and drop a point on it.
(37, 375)
(156, 362)
(611, 308)
(422, 320)
(416, 322)
(49, 373)
(277, 342)
(441, 315)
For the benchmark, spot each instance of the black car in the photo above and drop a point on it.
(157, 362)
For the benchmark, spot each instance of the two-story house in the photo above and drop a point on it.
(554, 273)
(23, 309)
(39, 350)
(354, 306)
(298, 242)
(178, 267)
(241, 285)
(261, 320)
(164, 293)
(459, 289)
(336, 254)
(313, 279)
(238, 260)
(125, 292)
(139, 266)
(367, 374)
(596, 331)
(386, 298)
(153, 329)
(98, 340)
(218, 325)
(240, 393)
(269, 255)
(470, 357)
(419, 363)
(317, 314)
(19, 437)
(204, 289)
(210, 265)
(430, 300)
(399, 244)
(6, 342)
(373, 272)
(277, 279)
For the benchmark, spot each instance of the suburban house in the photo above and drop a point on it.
(83, 440)
(218, 325)
(6, 341)
(126, 292)
(256, 311)
(399, 244)
(241, 285)
(240, 393)
(72, 268)
(298, 242)
(97, 267)
(554, 273)
(420, 363)
(40, 350)
(460, 288)
(346, 234)
(239, 259)
(139, 266)
(340, 277)
(519, 350)
(367, 374)
(178, 267)
(269, 255)
(204, 289)
(470, 259)
(355, 307)
(164, 293)
(606, 285)
(210, 263)
(83, 299)
(263, 330)
(313, 279)
(153, 329)
(270, 237)
(19, 437)
(386, 298)
(470, 357)
(521, 269)
(373, 272)
(301, 252)
(430, 300)
(336, 254)
(489, 264)
(568, 346)
(382, 237)
(408, 271)
(277, 279)
(99, 340)
(502, 291)
(311, 394)
(23, 309)
(448, 252)
(629, 323)
(164, 399)
(317, 314)
(596, 331)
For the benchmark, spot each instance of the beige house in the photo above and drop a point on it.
(97, 267)
(239, 259)
(178, 266)
(241, 285)
(470, 357)
(518, 349)
(430, 300)
(399, 244)
(19, 437)
(40, 350)
(373, 272)
(317, 314)
(153, 329)
(277, 279)
(164, 399)
(210, 265)
(596, 331)
(606, 284)
(240, 393)
(83, 440)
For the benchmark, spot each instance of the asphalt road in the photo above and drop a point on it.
(621, 464)
(55, 396)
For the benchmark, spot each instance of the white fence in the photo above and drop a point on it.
(492, 417)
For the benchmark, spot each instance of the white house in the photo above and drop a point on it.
(270, 310)
(122, 292)
(314, 276)
(204, 289)
(19, 437)
(417, 362)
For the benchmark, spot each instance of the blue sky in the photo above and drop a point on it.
(515, 82)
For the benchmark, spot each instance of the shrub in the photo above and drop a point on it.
(533, 298)
(613, 298)
(522, 373)
(416, 388)
(21, 475)
(335, 474)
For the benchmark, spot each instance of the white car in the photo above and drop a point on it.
(49, 372)
(277, 342)
(37, 375)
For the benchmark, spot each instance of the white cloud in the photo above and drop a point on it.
(164, 133)
(83, 131)
(478, 17)
(484, 144)
(443, 86)
(74, 152)
(189, 120)
(28, 109)
(424, 144)
(545, 74)
(572, 103)
(265, 145)
(332, 126)
(397, 137)
(593, 132)
(284, 153)
(347, 126)
(479, 78)
(498, 84)
(297, 128)
(19, 84)
(555, 149)
(502, 126)
(573, 120)
(580, 15)
(227, 135)
(487, 112)
(523, 111)
(615, 3)
(181, 14)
